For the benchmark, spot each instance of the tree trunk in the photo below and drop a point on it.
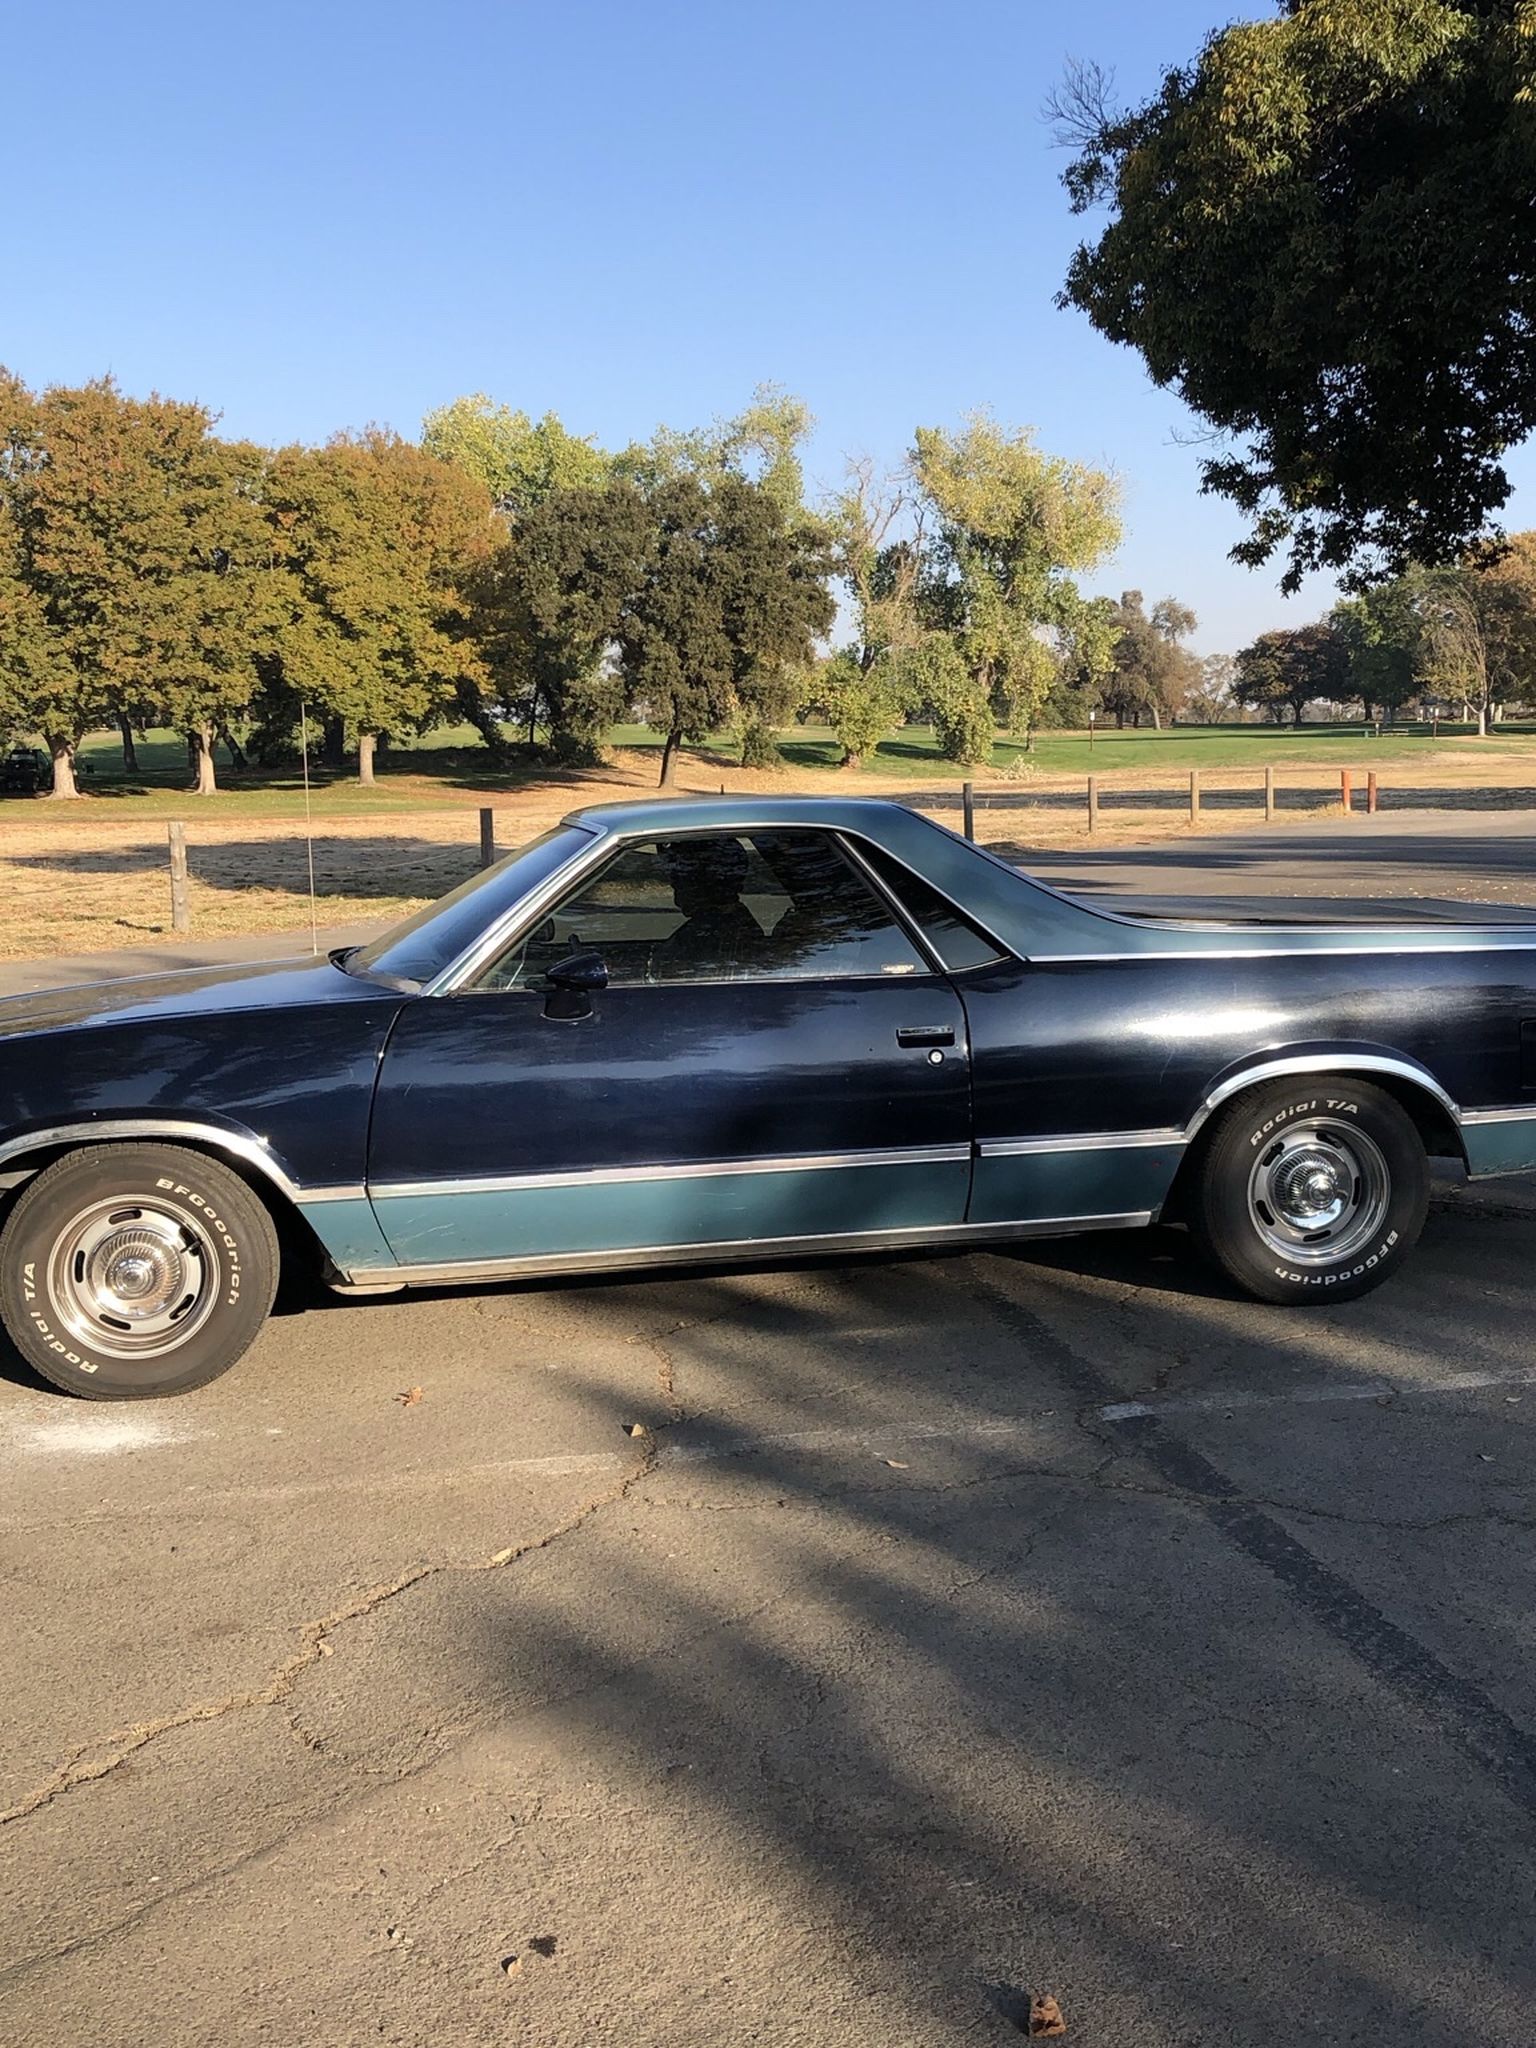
(63, 753)
(130, 753)
(237, 759)
(533, 721)
(202, 742)
(333, 748)
(1298, 709)
(669, 753)
(1157, 719)
(365, 742)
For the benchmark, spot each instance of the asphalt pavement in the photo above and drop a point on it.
(835, 1657)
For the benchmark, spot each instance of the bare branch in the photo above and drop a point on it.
(1083, 105)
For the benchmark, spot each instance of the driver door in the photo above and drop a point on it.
(773, 1059)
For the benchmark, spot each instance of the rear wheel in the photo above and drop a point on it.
(134, 1271)
(1312, 1191)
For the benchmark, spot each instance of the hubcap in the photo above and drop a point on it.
(1319, 1191)
(133, 1279)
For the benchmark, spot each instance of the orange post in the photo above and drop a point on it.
(1346, 789)
(1370, 792)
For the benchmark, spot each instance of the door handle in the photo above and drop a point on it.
(926, 1034)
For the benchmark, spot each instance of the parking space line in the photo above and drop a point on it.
(1335, 1390)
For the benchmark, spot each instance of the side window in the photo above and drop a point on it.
(954, 938)
(719, 907)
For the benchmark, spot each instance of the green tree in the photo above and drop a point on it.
(936, 675)
(140, 538)
(1290, 668)
(1011, 527)
(381, 543)
(728, 604)
(761, 444)
(1477, 630)
(550, 607)
(1209, 700)
(1380, 633)
(1151, 671)
(1319, 237)
(863, 700)
(520, 461)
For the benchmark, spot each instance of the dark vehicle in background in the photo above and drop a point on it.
(24, 771)
(727, 1030)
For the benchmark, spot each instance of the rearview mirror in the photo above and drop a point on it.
(573, 983)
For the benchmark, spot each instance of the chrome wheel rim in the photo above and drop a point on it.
(1319, 1191)
(133, 1279)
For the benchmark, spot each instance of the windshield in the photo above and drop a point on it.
(420, 948)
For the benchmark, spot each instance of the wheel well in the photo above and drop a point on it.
(1434, 1123)
(299, 1250)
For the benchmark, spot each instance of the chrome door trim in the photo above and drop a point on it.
(1499, 1116)
(753, 1249)
(1078, 1141)
(510, 926)
(1477, 939)
(704, 1169)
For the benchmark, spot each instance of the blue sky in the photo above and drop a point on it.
(313, 216)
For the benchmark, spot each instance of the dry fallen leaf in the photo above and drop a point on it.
(511, 1965)
(1045, 2015)
(636, 1429)
(897, 1464)
(409, 1398)
(325, 1649)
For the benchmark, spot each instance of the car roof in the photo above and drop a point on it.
(690, 813)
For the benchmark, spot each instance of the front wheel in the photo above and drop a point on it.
(134, 1271)
(1312, 1190)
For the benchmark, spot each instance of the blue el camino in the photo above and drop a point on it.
(744, 1029)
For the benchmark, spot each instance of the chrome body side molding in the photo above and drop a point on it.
(1078, 1141)
(737, 1251)
(707, 1169)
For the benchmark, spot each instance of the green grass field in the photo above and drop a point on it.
(450, 766)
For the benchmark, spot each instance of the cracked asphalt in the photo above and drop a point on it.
(833, 1657)
(829, 1656)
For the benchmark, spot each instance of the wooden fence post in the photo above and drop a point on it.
(1346, 790)
(180, 921)
(487, 838)
(1269, 796)
(1370, 792)
(1093, 803)
(968, 803)
(1194, 796)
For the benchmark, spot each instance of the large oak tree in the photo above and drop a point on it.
(726, 610)
(1322, 235)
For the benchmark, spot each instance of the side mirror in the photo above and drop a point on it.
(573, 983)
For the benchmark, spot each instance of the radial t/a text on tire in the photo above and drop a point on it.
(136, 1270)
